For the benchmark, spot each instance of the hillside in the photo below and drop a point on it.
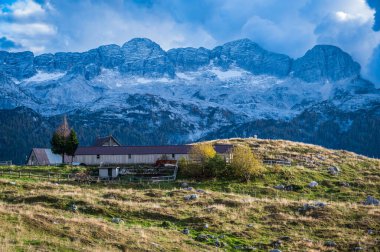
(183, 95)
(225, 216)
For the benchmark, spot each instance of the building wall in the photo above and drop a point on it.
(32, 159)
(125, 159)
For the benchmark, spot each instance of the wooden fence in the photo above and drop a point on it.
(6, 163)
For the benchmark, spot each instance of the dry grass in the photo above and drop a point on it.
(35, 217)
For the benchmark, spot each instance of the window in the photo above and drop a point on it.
(97, 156)
(129, 156)
(173, 155)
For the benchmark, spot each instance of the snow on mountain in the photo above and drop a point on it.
(203, 90)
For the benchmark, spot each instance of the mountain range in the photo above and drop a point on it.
(143, 94)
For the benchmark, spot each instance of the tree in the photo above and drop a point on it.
(244, 163)
(71, 143)
(200, 154)
(58, 145)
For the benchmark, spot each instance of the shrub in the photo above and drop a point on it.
(244, 163)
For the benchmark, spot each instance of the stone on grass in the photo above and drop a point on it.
(333, 170)
(276, 244)
(357, 249)
(275, 250)
(186, 231)
(188, 188)
(73, 208)
(279, 187)
(330, 244)
(219, 244)
(205, 226)
(345, 184)
(191, 197)
(184, 185)
(312, 206)
(313, 184)
(250, 225)
(372, 201)
(117, 220)
(202, 237)
(12, 183)
(370, 232)
(200, 191)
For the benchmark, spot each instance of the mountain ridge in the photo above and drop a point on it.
(187, 94)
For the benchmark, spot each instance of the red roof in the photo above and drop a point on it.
(144, 150)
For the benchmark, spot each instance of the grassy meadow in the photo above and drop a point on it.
(226, 215)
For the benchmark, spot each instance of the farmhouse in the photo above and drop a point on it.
(109, 151)
(40, 156)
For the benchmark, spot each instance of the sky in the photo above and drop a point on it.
(290, 27)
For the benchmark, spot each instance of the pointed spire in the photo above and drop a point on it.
(64, 129)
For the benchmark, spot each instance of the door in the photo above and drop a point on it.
(110, 172)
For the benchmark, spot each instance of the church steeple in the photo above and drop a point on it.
(64, 129)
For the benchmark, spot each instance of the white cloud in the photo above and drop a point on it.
(26, 8)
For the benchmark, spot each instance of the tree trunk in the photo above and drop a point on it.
(63, 158)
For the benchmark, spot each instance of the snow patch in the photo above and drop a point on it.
(44, 76)
(229, 74)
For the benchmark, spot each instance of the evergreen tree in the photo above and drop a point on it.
(71, 143)
(58, 145)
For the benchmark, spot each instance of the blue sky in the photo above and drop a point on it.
(290, 27)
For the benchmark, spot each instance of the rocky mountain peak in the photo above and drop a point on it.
(325, 62)
(251, 57)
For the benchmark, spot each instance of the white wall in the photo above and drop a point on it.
(124, 159)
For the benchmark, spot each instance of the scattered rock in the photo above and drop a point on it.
(188, 188)
(330, 244)
(371, 201)
(219, 244)
(275, 250)
(205, 226)
(211, 236)
(244, 247)
(276, 244)
(73, 208)
(279, 187)
(186, 231)
(370, 232)
(345, 184)
(117, 220)
(191, 197)
(200, 191)
(312, 206)
(202, 237)
(333, 170)
(357, 249)
(313, 184)
(250, 225)
(184, 185)
(12, 183)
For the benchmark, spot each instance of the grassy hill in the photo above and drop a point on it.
(38, 216)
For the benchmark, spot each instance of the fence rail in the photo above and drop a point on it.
(6, 163)
(81, 178)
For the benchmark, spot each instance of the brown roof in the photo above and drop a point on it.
(144, 150)
(47, 157)
(102, 140)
